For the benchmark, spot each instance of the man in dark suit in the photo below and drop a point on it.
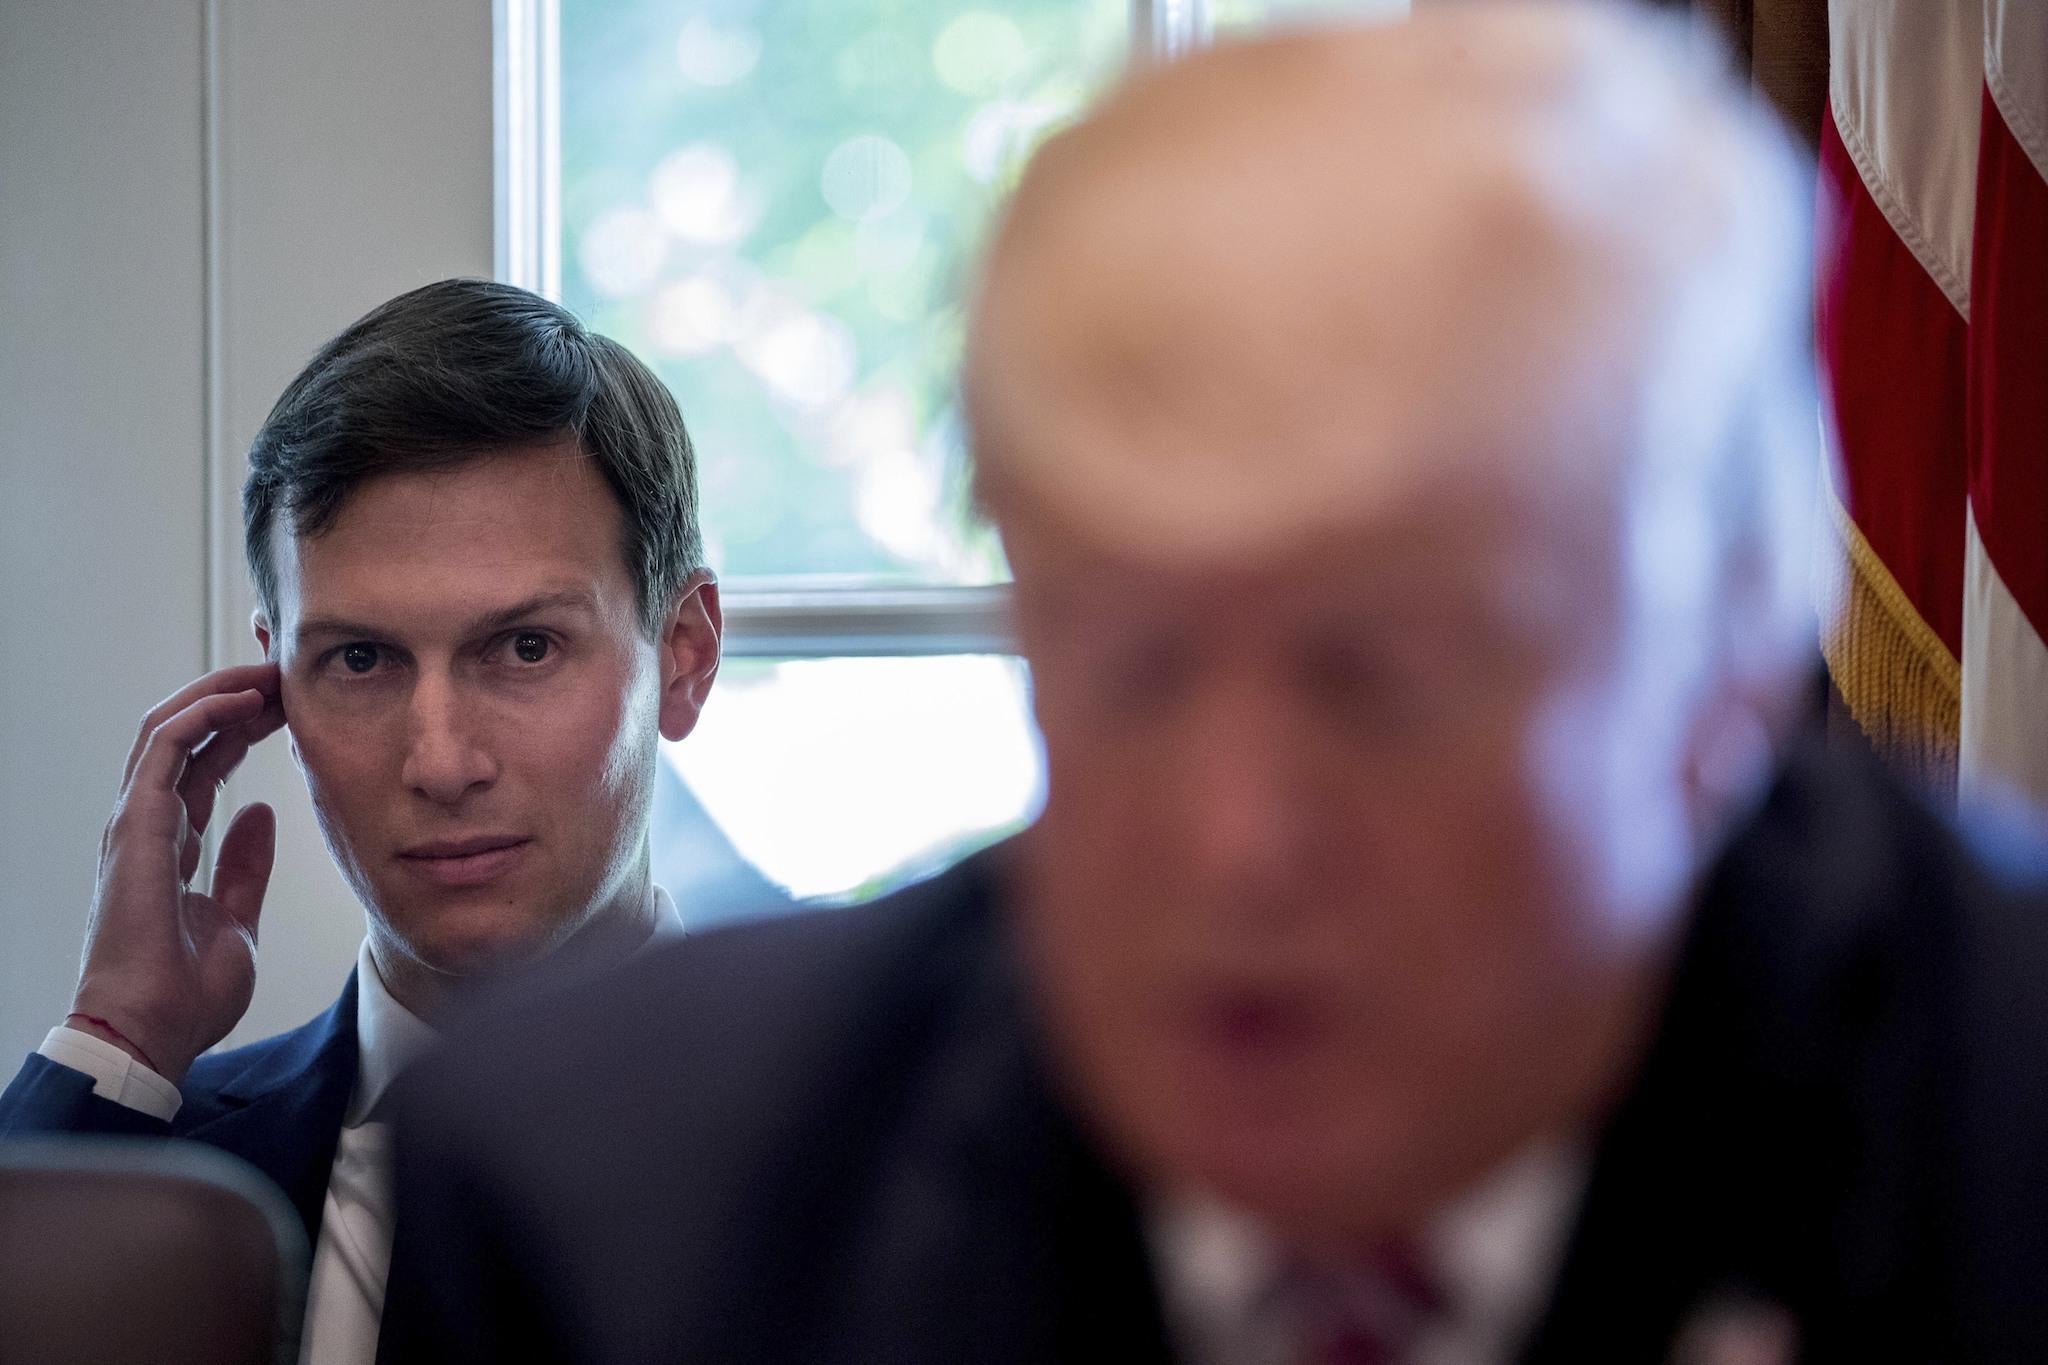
(1438, 943)
(472, 526)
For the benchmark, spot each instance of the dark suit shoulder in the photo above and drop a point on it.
(214, 1070)
(1879, 941)
(46, 1098)
(711, 1115)
(1849, 892)
(319, 1054)
(738, 1010)
(1844, 1108)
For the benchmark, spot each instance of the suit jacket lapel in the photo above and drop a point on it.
(283, 1113)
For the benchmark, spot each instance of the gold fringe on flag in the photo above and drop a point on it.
(1895, 675)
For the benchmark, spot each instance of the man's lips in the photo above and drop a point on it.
(464, 862)
(461, 848)
(1253, 1025)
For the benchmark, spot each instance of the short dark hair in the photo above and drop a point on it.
(455, 372)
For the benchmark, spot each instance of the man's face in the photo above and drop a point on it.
(474, 704)
(1358, 862)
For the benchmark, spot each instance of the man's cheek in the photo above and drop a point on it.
(328, 787)
(339, 755)
(313, 715)
(313, 745)
(623, 739)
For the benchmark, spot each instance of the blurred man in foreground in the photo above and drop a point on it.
(473, 530)
(1438, 943)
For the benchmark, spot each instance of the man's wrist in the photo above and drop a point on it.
(107, 1031)
(112, 1027)
(115, 1073)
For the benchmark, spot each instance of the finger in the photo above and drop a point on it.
(241, 873)
(170, 745)
(190, 846)
(239, 678)
(213, 762)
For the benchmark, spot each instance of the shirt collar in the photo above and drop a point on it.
(1215, 1266)
(660, 918)
(667, 919)
(390, 1037)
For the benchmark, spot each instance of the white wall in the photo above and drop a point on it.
(102, 500)
(193, 196)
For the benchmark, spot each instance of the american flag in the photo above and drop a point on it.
(1934, 322)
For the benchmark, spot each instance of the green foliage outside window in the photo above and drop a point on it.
(777, 203)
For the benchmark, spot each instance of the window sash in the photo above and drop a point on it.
(801, 623)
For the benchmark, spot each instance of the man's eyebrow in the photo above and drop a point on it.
(310, 626)
(567, 599)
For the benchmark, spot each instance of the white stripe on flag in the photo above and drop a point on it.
(1905, 81)
(2005, 690)
(2016, 68)
(2005, 663)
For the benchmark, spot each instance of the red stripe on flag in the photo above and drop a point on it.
(2008, 366)
(1895, 350)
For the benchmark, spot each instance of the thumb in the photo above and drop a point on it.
(242, 871)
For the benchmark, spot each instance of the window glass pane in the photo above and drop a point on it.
(775, 202)
(841, 778)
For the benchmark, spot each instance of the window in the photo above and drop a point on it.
(776, 203)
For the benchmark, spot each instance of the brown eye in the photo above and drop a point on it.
(530, 648)
(359, 658)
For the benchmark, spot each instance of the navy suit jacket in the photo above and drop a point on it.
(277, 1104)
(833, 1139)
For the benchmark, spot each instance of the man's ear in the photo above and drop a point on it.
(259, 624)
(1738, 732)
(689, 645)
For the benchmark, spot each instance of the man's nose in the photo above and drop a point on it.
(1241, 793)
(446, 759)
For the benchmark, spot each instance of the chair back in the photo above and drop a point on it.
(118, 1250)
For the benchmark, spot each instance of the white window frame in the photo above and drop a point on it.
(760, 622)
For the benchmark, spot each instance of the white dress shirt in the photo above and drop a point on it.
(345, 1297)
(1494, 1254)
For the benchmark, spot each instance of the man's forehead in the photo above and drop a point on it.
(557, 478)
(459, 542)
(352, 603)
(1236, 467)
(1460, 552)
(1257, 294)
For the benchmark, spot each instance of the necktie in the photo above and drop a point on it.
(1364, 1311)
